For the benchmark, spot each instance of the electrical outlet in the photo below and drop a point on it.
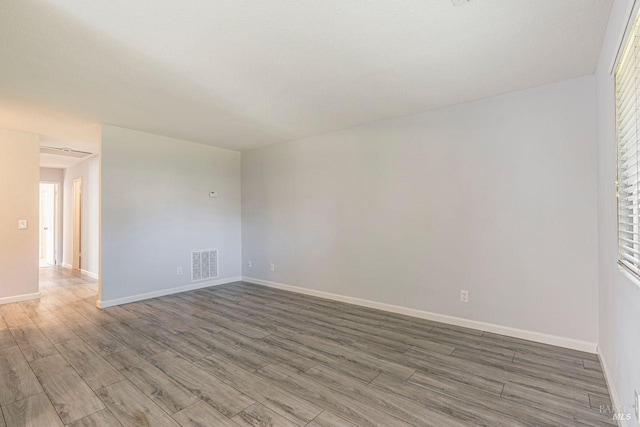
(249, 264)
(22, 224)
(273, 267)
(213, 194)
(637, 407)
(179, 271)
(464, 296)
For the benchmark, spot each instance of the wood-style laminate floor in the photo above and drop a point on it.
(246, 355)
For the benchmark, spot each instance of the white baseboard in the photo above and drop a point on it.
(89, 273)
(458, 321)
(85, 272)
(163, 292)
(615, 399)
(17, 298)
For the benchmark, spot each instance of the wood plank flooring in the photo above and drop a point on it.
(246, 355)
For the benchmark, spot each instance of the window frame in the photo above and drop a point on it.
(627, 107)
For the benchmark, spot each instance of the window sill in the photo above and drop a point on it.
(635, 280)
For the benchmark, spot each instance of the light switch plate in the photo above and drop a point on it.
(22, 224)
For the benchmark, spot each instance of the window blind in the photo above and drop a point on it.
(627, 79)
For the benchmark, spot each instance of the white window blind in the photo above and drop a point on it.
(627, 78)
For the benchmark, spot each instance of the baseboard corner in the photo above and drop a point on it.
(615, 399)
(89, 273)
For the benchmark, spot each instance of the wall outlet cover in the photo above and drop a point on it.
(464, 296)
(273, 267)
(179, 272)
(249, 264)
(23, 224)
(213, 194)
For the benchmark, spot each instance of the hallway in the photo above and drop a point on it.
(62, 286)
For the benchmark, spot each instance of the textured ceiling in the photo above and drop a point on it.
(242, 74)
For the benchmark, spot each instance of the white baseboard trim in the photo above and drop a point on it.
(18, 298)
(89, 273)
(452, 320)
(163, 292)
(615, 399)
(85, 272)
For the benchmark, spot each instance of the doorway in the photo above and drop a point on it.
(77, 224)
(48, 233)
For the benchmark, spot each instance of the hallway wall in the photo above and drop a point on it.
(89, 171)
(19, 248)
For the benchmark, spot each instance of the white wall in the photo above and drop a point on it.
(156, 209)
(89, 171)
(51, 174)
(19, 199)
(619, 294)
(497, 197)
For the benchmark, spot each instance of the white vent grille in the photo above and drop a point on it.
(204, 264)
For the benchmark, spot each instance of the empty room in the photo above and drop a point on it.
(320, 213)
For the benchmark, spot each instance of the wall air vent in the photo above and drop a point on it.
(204, 264)
(65, 152)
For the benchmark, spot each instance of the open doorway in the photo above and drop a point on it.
(74, 281)
(48, 232)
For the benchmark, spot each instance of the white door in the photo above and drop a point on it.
(77, 224)
(47, 224)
